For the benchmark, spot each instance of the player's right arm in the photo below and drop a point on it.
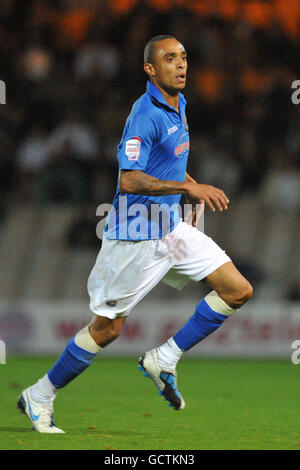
(139, 182)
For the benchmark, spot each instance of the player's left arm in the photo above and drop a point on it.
(189, 179)
(195, 213)
(191, 215)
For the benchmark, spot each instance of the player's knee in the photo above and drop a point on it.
(245, 293)
(115, 330)
(240, 296)
(106, 332)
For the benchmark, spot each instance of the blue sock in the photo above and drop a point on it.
(199, 326)
(73, 361)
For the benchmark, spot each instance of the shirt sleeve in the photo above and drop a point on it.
(139, 136)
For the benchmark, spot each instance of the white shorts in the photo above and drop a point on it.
(125, 271)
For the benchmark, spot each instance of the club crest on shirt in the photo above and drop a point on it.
(133, 148)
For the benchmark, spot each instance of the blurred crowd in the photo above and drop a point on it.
(74, 68)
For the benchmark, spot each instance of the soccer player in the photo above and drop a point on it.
(139, 250)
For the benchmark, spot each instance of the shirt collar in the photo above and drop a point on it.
(154, 91)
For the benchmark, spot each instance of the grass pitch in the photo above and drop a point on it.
(230, 405)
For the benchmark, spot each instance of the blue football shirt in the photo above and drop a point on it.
(155, 140)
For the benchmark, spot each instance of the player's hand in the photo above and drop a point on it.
(213, 197)
(196, 210)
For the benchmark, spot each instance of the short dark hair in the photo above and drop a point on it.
(150, 47)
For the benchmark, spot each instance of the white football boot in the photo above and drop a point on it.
(40, 415)
(163, 379)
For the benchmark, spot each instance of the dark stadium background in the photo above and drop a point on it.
(72, 70)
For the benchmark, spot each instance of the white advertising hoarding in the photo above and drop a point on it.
(257, 330)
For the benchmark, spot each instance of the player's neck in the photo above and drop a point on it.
(170, 99)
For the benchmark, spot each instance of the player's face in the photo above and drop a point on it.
(170, 66)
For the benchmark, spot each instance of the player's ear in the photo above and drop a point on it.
(149, 69)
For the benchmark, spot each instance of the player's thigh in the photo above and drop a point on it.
(123, 274)
(197, 255)
(230, 284)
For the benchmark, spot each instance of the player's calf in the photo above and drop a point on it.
(78, 355)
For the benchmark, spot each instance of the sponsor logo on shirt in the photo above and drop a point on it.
(182, 147)
(172, 129)
(133, 148)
